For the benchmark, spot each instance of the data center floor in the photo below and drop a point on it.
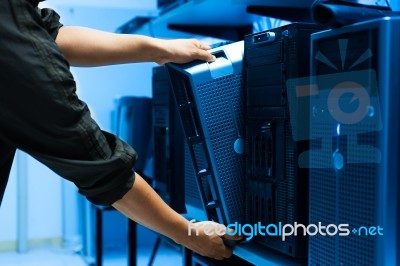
(48, 256)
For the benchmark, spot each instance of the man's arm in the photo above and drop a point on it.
(88, 47)
(144, 206)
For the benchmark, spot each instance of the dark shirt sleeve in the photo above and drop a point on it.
(51, 21)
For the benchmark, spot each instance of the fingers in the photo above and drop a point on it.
(231, 236)
(210, 240)
(227, 253)
(182, 51)
(203, 54)
(222, 251)
(203, 45)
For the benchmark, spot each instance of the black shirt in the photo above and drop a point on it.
(35, 2)
(50, 18)
(41, 114)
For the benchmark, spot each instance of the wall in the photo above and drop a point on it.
(44, 219)
(44, 202)
(8, 214)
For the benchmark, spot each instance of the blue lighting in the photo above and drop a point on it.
(338, 160)
(371, 111)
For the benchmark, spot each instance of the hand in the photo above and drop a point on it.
(207, 239)
(183, 51)
(142, 204)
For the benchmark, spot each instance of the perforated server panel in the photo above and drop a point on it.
(277, 188)
(209, 97)
(355, 143)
